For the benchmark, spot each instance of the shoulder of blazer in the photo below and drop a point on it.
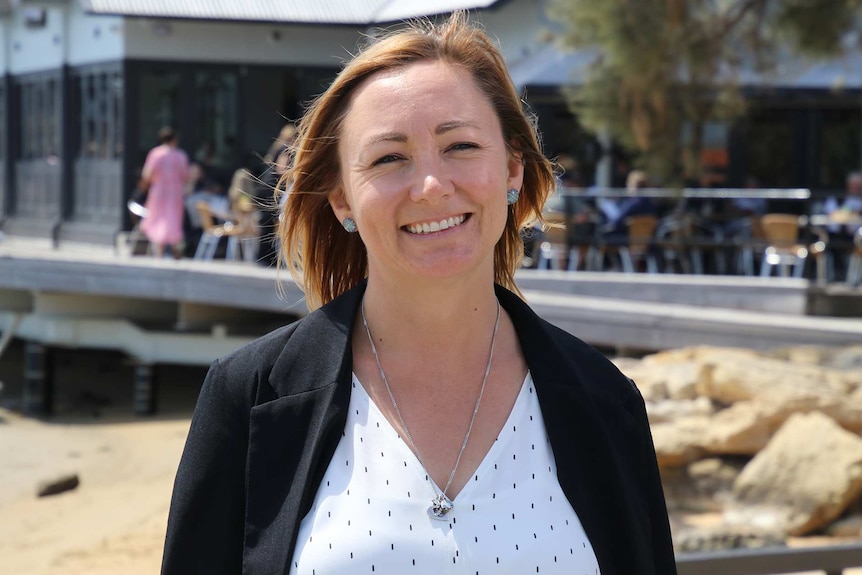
(307, 354)
(573, 361)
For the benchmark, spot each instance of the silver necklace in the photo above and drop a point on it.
(441, 505)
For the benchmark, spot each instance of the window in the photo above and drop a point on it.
(40, 117)
(158, 105)
(99, 94)
(216, 95)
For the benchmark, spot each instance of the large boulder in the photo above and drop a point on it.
(805, 477)
(746, 427)
(743, 379)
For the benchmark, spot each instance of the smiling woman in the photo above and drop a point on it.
(423, 416)
(425, 169)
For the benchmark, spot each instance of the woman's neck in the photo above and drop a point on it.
(438, 317)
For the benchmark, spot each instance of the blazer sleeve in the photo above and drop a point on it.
(665, 563)
(206, 521)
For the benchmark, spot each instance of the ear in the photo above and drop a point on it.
(338, 202)
(515, 170)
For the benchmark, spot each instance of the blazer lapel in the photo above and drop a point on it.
(293, 433)
(586, 469)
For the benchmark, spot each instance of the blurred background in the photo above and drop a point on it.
(705, 234)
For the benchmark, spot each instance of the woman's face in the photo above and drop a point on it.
(425, 170)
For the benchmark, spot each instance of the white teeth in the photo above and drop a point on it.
(428, 228)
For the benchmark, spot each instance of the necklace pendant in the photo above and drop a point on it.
(440, 507)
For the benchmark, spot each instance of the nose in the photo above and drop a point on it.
(433, 182)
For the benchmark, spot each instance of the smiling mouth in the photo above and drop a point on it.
(431, 227)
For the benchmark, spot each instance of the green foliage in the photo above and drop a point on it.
(665, 65)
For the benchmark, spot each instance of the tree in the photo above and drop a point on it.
(663, 68)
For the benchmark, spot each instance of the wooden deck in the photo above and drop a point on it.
(92, 297)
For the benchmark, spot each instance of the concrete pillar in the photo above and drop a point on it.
(144, 392)
(38, 396)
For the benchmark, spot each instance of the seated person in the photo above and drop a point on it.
(851, 204)
(208, 191)
(617, 210)
(841, 234)
(742, 209)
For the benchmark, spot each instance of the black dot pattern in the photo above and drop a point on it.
(370, 513)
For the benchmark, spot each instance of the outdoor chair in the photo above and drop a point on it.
(136, 240)
(670, 238)
(783, 250)
(553, 251)
(750, 244)
(213, 233)
(640, 246)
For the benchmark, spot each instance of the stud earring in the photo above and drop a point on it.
(512, 196)
(349, 225)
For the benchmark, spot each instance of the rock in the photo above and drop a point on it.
(747, 378)
(668, 381)
(847, 411)
(676, 442)
(807, 475)
(715, 474)
(846, 527)
(804, 354)
(682, 379)
(699, 354)
(672, 409)
(626, 364)
(847, 358)
(702, 487)
(57, 485)
(722, 537)
(747, 426)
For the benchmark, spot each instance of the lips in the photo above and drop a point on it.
(437, 226)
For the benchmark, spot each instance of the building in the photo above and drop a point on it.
(88, 83)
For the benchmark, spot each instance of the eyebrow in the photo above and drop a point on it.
(441, 129)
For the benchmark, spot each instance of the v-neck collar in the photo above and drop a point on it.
(503, 437)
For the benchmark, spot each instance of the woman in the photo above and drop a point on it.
(422, 418)
(166, 171)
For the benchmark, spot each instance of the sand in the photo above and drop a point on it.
(114, 522)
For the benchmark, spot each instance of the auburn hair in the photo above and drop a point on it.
(322, 257)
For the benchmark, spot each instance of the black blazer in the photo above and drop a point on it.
(270, 415)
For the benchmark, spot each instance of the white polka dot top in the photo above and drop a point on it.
(370, 512)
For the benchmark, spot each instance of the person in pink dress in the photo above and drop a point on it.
(166, 171)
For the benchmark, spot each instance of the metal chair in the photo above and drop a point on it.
(781, 233)
(213, 233)
(640, 244)
(135, 237)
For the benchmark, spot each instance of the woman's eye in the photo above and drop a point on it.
(388, 159)
(463, 146)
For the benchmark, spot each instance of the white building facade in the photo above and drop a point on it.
(88, 83)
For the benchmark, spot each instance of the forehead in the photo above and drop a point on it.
(422, 91)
